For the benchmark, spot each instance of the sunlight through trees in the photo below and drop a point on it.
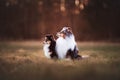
(31, 19)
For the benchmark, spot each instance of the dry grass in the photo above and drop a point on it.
(26, 61)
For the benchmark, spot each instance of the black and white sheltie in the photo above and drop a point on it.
(49, 46)
(66, 44)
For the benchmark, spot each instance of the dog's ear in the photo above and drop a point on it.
(70, 29)
(52, 37)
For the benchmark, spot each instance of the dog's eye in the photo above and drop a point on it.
(69, 28)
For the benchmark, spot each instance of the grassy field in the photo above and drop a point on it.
(26, 61)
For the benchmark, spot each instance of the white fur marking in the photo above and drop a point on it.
(46, 50)
(63, 45)
(85, 56)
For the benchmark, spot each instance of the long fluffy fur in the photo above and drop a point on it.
(49, 46)
(46, 50)
(66, 44)
(63, 47)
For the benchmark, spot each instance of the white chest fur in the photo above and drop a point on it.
(46, 50)
(63, 45)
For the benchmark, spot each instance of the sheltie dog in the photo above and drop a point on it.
(66, 44)
(49, 46)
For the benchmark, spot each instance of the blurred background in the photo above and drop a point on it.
(91, 20)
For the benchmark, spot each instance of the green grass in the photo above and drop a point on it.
(26, 61)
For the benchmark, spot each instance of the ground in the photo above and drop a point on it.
(25, 60)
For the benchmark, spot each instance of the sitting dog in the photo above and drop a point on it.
(49, 46)
(66, 45)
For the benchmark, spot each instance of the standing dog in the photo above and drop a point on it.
(66, 45)
(49, 46)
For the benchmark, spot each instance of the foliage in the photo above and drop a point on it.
(31, 19)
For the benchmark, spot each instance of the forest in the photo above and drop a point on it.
(90, 20)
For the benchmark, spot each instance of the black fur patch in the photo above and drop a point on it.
(52, 46)
(73, 54)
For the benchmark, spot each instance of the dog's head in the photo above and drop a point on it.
(66, 31)
(49, 37)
